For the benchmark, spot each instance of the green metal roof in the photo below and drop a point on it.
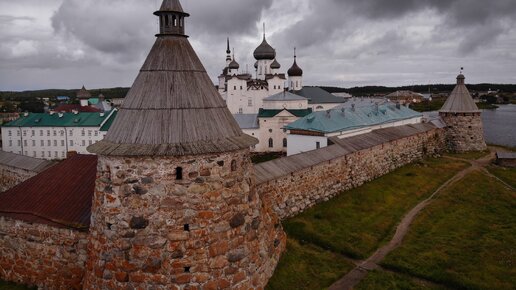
(108, 123)
(67, 120)
(93, 101)
(266, 113)
(346, 119)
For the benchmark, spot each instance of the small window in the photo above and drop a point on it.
(42, 153)
(49, 143)
(33, 143)
(55, 133)
(48, 132)
(25, 144)
(186, 227)
(271, 143)
(40, 132)
(42, 142)
(10, 133)
(250, 102)
(174, 20)
(285, 142)
(11, 143)
(71, 142)
(233, 165)
(317, 145)
(55, 143)
(181, 21)
(83, 143)
(179, 173)
(234, 88)
(270, 130)
(240, 111)
(89, 132)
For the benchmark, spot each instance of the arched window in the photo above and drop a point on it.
(271, 143)
(285, 142)
(179, 173)
(233, 165)
(174, 20)
(297, 83)
(292, 84)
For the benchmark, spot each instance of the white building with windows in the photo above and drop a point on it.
(278, 111)
(52, 135)
(318, 129)
(243, 92)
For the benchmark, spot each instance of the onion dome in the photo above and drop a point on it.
(275, 64)
(264, 51)
(295, 70)
(83, 94)
(172, 109)
(234, 64)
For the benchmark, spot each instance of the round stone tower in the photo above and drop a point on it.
(464, 123)
(175, 205)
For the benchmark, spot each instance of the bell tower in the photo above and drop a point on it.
(175, 205)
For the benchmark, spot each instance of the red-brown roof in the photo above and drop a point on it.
(59, 196)
(70, 107)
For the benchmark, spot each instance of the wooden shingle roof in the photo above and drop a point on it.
(460, 100)
(173, 108)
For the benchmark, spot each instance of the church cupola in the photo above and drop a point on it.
(275, 64)
(228, 54)
(265, 55)
(295, 70)
(171, 18)
(233, 65)
(295, 75)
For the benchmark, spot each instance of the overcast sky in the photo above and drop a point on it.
(103, 43)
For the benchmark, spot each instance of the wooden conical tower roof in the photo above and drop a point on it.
(460, 100)
(173, 108)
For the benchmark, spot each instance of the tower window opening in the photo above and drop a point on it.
(271, 143)
(181, 21)
(186, 227)
(179, 173)
(167, 22)
(174, 20)
(187, 269)
(285, 142)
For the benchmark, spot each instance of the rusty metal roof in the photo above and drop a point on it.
(59, 196)
(274, 169)
(23, 162)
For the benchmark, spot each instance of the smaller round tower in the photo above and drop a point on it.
(463, 119)
(295, 75)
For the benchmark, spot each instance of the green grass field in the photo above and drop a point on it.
(356, 222)
(379, 280)
(469, 155)
(506, 174)
(353, 224)
(307, 267)
(464, 239)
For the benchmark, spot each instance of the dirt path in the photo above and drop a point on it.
(351, 279)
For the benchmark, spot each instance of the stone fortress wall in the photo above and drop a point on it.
(205, 230)
(217, 230)
(11, 176)
(42, 255)
(293, 193)
(465, 132)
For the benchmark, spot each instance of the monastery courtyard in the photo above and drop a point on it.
(415, 228)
